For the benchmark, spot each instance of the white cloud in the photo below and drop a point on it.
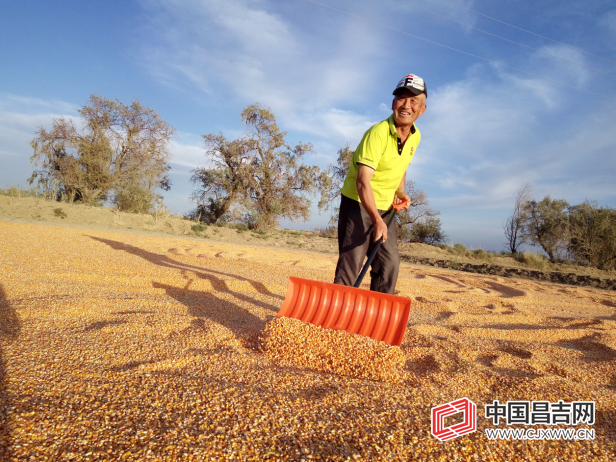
(336, 124)
(20, 118)
(459, 13)
(209, 43)
(27, 104)
(572, 68)
(188, 155)
(608, 21)
(245, 51)
(483, 138)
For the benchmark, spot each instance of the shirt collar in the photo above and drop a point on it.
(392, 127)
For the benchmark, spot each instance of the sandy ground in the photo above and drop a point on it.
(118, 346)
(38, 211)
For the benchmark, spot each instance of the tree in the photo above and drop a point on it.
(224, 182)
(426, 231)
(418, 222)
(513, 225)
(259, 172)
(418, 209)
(122, 151)
(593, 235)
(545, 224)
(337, 173)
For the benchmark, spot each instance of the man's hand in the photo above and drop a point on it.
(379, 230)
(400, 197)
(366, 196)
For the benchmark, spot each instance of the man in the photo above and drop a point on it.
(375, 180)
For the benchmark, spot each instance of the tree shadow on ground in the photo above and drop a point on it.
(163, 260)
(446, 279)
(608, 318)
(100, 324)
(591, 347)
(605, 423)
(9, 330)
(202, 304)
(506, 291)
(243, 324)
(522, 326)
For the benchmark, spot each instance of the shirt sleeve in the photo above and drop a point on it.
(370, 150)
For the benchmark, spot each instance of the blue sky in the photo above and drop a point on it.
(328, 76)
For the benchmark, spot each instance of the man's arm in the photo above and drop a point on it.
(400, 194)
(366, 196)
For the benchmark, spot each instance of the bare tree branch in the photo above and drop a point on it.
(514, 223)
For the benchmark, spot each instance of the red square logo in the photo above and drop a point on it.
(468, 424)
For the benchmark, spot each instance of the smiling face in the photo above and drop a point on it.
(407, 107)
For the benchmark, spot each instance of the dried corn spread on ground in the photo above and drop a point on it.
(296, 343)
(120, 346)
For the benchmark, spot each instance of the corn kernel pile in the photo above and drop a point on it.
(293, 342)
(126, 347)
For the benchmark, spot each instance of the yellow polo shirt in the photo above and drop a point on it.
(379, 149)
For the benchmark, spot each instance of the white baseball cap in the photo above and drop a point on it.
(412, 83)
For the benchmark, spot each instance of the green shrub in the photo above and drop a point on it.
(59, 213)
(17, 192)
(198, 228)
(260, 234)
(593, 235)
(532, 259)
(482, 254)
(330, 232)
(459, 248)
(428, 231)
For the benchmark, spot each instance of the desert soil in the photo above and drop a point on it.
(118, 345)
(31, 210)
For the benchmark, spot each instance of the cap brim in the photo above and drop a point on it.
(412, 90)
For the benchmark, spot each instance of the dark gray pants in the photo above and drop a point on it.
(355, 241)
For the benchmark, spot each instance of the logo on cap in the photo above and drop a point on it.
(413, 83)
